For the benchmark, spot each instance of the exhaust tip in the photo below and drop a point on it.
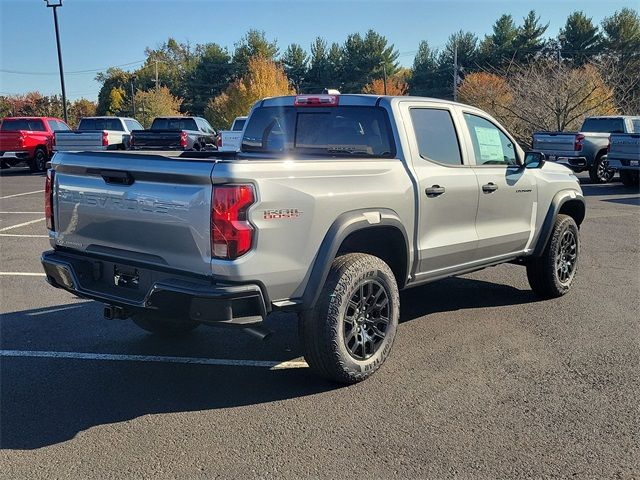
(259, 332)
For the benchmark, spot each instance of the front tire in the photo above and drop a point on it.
(600, 171)
(551, 275)
(349, 333)
(39, 161)
(164, 326)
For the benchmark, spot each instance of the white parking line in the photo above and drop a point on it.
(21, 274)
(24, 213)
(54, 310)
(22, 235)
(21, 194)
(224, 362)
(21, 224)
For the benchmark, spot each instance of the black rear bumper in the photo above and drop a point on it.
(201, 299)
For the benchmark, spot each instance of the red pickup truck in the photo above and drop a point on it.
(28, 139)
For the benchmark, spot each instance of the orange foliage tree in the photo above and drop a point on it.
(264, 78)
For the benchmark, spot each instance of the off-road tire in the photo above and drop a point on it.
(164, 326)
(629, 179)
(599, 173)
(542, 272)
(322, 329)
(39, 161)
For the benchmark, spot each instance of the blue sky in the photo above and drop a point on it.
(96, 34)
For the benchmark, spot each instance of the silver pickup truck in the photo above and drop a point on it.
(624, 157)
(586, 149)
(97, 133)
(333, 205)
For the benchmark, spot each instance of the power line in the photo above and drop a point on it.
(77, 72)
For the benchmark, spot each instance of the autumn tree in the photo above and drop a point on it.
(487, 91)
(264, 78)
(156, 103)
(397, 84)
(79, 109)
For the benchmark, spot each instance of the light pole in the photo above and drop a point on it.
(55, 4)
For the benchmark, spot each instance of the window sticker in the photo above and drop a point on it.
(489, 143)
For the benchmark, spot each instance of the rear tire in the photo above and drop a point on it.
(629, 179)
(600, 171)
(164, 326)
(349, 333)
(39, 161)
(551, 275)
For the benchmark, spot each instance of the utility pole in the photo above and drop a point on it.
(156, 76)
(54, 5)
(561, 39)
(133, 98)
(384, 74)
(455, 72)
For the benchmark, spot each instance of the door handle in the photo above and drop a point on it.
(489, 187)
(434, 191)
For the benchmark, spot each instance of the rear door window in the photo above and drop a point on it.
(133, 125)
(331, 131)
(436, 135)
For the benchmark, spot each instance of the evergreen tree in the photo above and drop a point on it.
(295, 63)
(581, 38)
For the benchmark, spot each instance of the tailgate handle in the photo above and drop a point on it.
(117, 177)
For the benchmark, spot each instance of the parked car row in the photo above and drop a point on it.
(33, 140)
(586, 149)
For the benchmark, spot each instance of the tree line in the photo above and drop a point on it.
(207, 79)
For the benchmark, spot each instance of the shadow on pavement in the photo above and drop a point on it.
(45, 401)
(19, 172)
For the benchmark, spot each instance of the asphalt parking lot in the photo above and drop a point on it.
(484, 380)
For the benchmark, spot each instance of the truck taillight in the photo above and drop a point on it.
(316, 101)
(183, 139)
(48, 199)
(231, 232)
(105, 139)
(219, 141)
(578, 143)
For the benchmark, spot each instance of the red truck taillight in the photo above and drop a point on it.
(231, 232)
(105, 139)
(183, 139)
(48, 199)
(577, 146)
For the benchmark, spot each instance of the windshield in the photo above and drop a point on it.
(174, 124)
(331, 131)
(603, 125)
(101, 124)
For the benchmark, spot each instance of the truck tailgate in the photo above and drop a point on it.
(625, 146)
(156, 139)
(86, 140)
(161, 218)
(554, 142)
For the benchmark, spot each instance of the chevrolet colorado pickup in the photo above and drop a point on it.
(28, 140)
(98, 133)
(333, 205)
(586, 149)
(175, 133)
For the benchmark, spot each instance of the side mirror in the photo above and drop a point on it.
(533, 159)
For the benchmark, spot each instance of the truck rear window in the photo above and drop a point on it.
(101, 124)
(23, 124)
(174, 124)
(331, 131)
(603, 125)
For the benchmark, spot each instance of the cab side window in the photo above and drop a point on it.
(490, 145)
(436, 135)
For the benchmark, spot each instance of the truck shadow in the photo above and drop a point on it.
(49, 400)
(19, 172)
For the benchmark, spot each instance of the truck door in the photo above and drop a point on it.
(447, 189)
(507, 205)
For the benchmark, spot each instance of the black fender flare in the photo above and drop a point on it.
(558, 201)
(346, 224)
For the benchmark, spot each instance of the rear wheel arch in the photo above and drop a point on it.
(354, 232)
